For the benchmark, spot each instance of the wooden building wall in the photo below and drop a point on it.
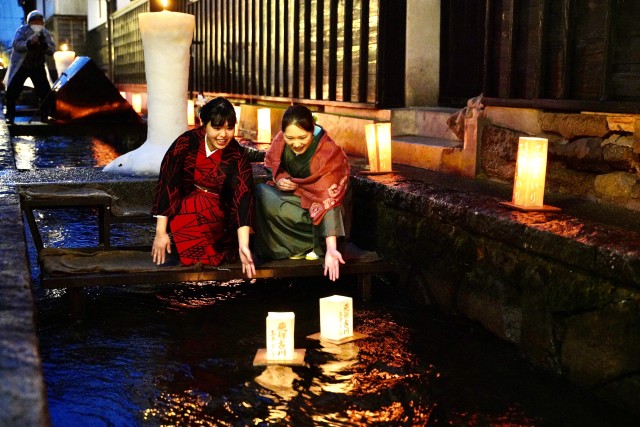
(575, 51)
(325, 50)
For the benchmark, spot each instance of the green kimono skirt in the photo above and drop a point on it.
(284, 228)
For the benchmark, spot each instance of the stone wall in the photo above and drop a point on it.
(595, 156)
(565, 291)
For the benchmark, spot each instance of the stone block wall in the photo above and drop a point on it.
(595, 156)
(565, 291)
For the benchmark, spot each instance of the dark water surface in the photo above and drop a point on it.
(182, 355)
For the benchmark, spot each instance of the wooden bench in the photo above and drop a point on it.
(109, 212)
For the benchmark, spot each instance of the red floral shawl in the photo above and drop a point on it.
(325, 188)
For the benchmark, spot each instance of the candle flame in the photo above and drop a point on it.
(64, 46)
(165, 3)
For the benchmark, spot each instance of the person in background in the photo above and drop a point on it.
(306, 197)
(204, 195)
(31, 45)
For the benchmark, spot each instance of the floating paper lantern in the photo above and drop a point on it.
(336, 317)
(378, 137)
(280, 339)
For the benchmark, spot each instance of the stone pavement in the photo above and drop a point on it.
(22, 390)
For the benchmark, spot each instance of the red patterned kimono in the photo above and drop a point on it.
(206, 198)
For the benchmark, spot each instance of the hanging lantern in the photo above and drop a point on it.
(378, 137)
(529, 179)
(264, 125)
(336, 317)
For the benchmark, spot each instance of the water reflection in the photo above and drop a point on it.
(34, 152)
(182, 355)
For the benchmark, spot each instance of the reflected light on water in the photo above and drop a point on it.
(102, 152)
(25, 153)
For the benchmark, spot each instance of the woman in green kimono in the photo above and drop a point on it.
(300, 211)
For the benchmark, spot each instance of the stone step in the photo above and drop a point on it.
(422, 121)
(425, 152)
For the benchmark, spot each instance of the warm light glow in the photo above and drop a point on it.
(378, 137)
(136, 102)
(238, 110)
(123, 94)
(280, 343)
(165, 3)
(531, 168)
(24, 153)
(336, 317)
(264, 125)
(63, 58)
(191, 113)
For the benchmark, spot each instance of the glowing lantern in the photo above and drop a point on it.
(379, 147)
(280, 328)
(63, 58)
(191, 114)
(531, 169)
(166, 40)
(136, 102)
(264, 125)
(336, 317)
(238, 111)
(280, 339)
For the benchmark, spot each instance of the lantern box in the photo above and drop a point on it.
(336, 320)
(378, 137)
(280, 341)
(264, 125)
(530, 173)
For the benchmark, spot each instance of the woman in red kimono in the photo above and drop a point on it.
(204, 194)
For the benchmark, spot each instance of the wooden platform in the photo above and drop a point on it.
(79, 268)
(76, 269)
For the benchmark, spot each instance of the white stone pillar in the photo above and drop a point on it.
(166, 38)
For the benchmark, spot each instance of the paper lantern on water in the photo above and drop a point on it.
(280, 338)
(336, 317)
(378, 137)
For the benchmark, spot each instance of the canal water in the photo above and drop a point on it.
(182, 355)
